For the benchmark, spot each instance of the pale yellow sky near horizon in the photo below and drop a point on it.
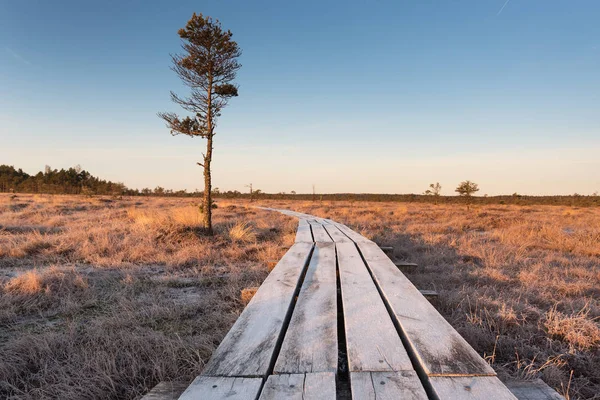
(286, 168)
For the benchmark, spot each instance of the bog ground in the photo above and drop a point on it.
(105, 297)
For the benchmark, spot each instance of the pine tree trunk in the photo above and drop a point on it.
(207, 160)
(208, 187)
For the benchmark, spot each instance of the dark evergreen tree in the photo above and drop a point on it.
(208, 66)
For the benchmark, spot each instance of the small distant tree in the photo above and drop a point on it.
(434, 190)
(208, 66)
(466, 190)
(249, 186)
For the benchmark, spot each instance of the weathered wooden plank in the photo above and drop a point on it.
(438, 347)
(323, 221)
(313, 386)
(470, 388)
(221, 388)
(310, 343)
(336, 234)
(371, 338)
(405, 266)
(248, 347)
(356, 237)
(303, 234)
(535, 389)
(166, 391)
(387, 249)
(320, 234)
(428, 293)
(403, 385)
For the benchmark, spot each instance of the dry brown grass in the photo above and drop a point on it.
(103, 298)
(26, 283)
(242, 232)
(578, 329)
(247, 294)
(520, 283)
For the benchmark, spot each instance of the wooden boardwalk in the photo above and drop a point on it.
(337, 319)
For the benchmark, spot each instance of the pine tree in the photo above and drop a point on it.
(208, 66)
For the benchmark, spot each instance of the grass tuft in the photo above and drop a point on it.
(26, 283)
(577, 329)
(242, 232)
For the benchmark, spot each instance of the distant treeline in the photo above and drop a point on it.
(78, 181)
(571, 200)
(52, 181)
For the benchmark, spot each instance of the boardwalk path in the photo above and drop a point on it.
(337, 319)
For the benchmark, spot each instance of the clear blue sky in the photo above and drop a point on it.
(353, 96)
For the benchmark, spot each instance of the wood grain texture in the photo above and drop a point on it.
(470, 388)
(438, 347)
(314, 386)
(220, 388)
(356, 237)
(316, 220)
(310, 343)
(320, 234)
(371, 338)
(303, 234)
(336, 234)
(403, 385)
(249, 345)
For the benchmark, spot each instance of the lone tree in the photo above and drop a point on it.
(251, 192)
(208, 66)
(466, 190)
(434, 190)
